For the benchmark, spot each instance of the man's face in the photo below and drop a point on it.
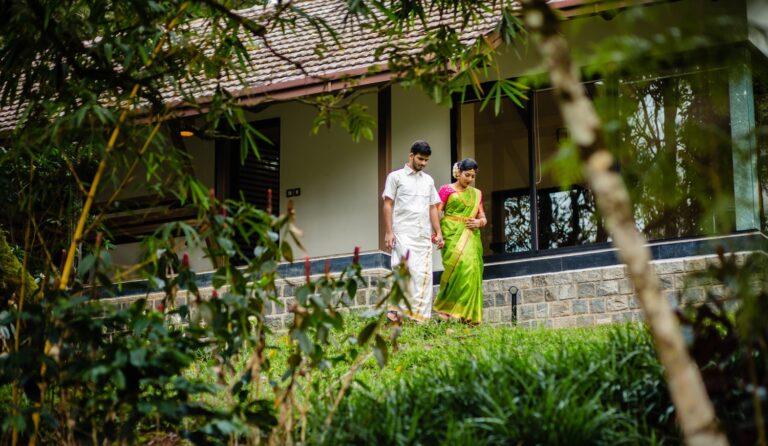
(418, 162)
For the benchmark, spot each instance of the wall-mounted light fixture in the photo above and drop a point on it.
(186, 133)
(513, 291)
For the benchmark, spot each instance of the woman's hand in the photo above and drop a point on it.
(475, 223)
(472, 223)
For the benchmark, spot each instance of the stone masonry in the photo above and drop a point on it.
(590, 296)
(560, 299)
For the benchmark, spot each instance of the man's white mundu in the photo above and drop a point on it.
(413, 193)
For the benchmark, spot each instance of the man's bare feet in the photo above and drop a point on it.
(394, 317)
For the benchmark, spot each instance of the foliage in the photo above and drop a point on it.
(90, 81)
(449, 385)
(729, 341)
(90, 372)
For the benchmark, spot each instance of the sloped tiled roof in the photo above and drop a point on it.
(272, 75)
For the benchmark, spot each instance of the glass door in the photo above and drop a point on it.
(501, 146)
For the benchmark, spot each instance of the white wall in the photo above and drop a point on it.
(203, 155)
(416, 116)
(757, 15)
(203, 164)
(128, 253)
(338, 205)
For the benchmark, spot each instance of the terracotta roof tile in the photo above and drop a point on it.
(354, 51)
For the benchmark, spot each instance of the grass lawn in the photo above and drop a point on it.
(452, 384)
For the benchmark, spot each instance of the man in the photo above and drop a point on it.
(411, 217)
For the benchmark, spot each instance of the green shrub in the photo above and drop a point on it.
(509, 386)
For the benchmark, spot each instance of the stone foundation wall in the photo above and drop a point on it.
(562, 299)
(589, 296)
(365, 298)
(276, 315)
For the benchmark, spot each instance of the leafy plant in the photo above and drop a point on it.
(588, 386)
(91, 372)
(728, 338)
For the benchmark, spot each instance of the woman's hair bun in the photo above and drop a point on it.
(463, 166)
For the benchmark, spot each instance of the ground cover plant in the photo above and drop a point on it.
(451, 384)
(506, 385)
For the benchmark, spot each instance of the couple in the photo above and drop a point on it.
(412, 209)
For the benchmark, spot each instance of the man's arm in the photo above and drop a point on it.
(386, 210)
(435, 206)
(434, 218)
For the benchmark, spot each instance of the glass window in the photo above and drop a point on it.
(672, 138)
(566, 217)
(676, 155)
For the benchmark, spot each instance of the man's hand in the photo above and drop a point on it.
(389, 236)
(437, 239)
(389, 240)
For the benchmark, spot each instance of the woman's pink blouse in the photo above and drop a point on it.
(446, 192)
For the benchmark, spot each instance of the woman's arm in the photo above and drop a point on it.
(481, 216)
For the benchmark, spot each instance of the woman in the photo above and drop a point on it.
(461, 284)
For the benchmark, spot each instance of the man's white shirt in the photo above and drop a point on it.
(412, 193)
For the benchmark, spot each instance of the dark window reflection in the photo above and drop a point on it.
(568, 218)
(676, 154)
(516, 212)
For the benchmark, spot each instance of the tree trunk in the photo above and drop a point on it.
(694, 409)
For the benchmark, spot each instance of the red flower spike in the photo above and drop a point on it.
(327, 268)
(161, 308)
(356, 256)
(214, 294)
(269, 201)
(306, 268)
(185, 260)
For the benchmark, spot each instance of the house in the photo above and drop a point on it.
(548, 260)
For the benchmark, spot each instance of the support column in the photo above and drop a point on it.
(745, 182)
(385, 150)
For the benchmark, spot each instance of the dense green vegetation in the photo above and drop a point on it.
(451, 384)
(504, 385)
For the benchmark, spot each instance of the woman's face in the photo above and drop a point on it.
(467, 177)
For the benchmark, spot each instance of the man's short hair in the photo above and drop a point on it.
(422, 148)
